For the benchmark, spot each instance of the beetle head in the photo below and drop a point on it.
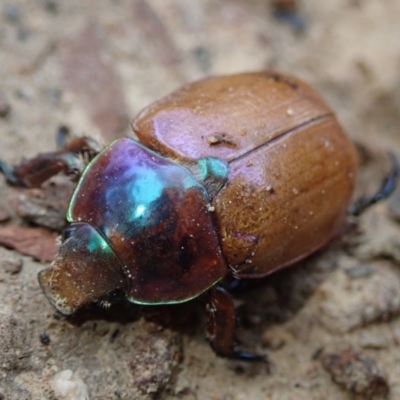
(86, 269)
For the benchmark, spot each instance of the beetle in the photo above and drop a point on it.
(237, 176)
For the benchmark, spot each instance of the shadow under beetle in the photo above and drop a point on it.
(236, 176)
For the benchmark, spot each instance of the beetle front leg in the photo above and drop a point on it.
(71, 160)
(221, 326)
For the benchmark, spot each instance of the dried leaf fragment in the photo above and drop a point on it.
(35, 242)
(45, 206)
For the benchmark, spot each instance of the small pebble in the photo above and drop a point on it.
(11, 264)
(67, 385)
(44, 339)
(275, 338)
(153, 361)
(356, 372)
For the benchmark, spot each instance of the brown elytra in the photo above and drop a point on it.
(292, 168)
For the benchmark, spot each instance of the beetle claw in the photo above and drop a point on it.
(246, 356)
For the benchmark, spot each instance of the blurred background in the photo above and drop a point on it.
(125, 54)
(92, 66)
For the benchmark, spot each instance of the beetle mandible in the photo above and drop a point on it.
(237, 175)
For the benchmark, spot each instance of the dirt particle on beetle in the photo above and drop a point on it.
(220, 138)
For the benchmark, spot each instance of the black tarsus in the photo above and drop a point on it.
(387, 188)
(246, 356)
(9, 174)
(235, 285)
(63, 134)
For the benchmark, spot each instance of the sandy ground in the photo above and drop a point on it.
(334, 317)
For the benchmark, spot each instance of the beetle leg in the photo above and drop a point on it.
(387, 188)
(8, 173)
(71, 160)
(235, 285)
(62, 136)
(221, 326)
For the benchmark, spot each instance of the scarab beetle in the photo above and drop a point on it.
(236, 175)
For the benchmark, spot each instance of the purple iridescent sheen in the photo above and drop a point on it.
(153, 213)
